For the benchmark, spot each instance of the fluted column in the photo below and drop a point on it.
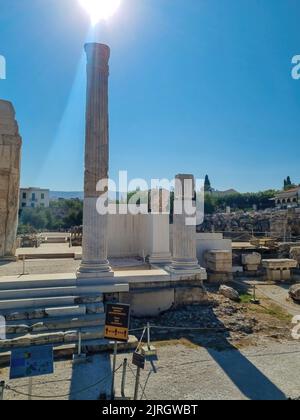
(184, 261)
(94, 246)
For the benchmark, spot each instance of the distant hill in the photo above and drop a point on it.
(66, 195)
(72, 195)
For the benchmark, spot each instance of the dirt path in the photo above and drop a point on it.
(279, 294)
(184, 371)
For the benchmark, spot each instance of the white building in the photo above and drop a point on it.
(288, 199)
(34, 198)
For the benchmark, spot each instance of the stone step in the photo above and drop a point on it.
(46, 256)
(54, 338)
(62, 320)
(42, 313)
(20, 314)
(37, 293)
(26, 282)
(14, 304)
(59, 325)
(45, 292)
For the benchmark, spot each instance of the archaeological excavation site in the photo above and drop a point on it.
(127, 274)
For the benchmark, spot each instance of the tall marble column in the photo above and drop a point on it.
(95, 264)
(184, 261)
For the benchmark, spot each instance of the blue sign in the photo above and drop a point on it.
(31, 361)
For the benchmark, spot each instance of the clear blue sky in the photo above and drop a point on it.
(196, 86)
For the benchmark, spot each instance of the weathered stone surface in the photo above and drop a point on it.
(279, 264)
(92, 334)
(189, 295)
(71, 337)
(10, 155)
(251, 262)
(18, 316)
(40, 326)
(229, 293)
(49, 338)
(17, 329)
(65, 311)
(280, 224)
(184, 261)
(295, 254)
(96, 308)
(15, 316)
(84, 300)
(95, 234)
(295, 292)
(280, 269)
(218, 261)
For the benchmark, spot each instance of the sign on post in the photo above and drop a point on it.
(138, 360)
(117, 322)
(31, 361)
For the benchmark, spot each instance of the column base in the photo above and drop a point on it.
(187, 270)
(94, 271)
(161, 259)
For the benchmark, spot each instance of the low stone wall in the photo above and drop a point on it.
(154, 298)
(282, 224)
(136, 235)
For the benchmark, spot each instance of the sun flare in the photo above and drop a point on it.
(100, 9)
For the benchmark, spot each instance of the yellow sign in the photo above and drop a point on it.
(116, 333)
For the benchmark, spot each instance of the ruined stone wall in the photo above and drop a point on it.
(236, 222)
(286, 223)
(10, 156)
(280, 224)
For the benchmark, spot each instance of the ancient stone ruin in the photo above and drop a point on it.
(10, 154)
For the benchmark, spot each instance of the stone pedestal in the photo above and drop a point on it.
(219, 265)
(218, 261)
(279, 270)
(251, 262)
(184, 262)
(95, 264)
(10, 156)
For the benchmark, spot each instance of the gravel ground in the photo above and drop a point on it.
(184, 371)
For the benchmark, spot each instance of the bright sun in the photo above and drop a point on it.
(100, 9)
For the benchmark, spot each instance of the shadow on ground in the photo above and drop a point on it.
(85, 376)
(251, 382)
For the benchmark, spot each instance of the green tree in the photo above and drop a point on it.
(207, 184)
(288, 184)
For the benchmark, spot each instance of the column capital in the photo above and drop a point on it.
(97, 54)
(184, 187)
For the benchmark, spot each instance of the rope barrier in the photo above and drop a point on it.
(134, 375)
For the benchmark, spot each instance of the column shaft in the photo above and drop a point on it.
(94, 247)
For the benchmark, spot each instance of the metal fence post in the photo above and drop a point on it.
(2, 387)
(124, 378)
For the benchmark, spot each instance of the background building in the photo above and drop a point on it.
(287, 199)
(34, 197)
